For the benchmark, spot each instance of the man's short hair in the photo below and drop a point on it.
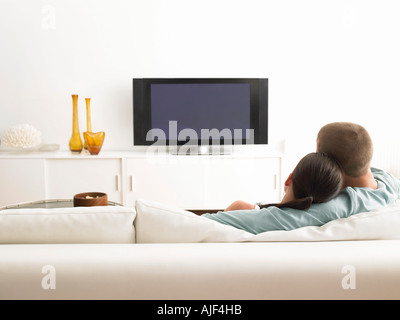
(349, 143)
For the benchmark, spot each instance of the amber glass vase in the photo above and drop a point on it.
(75, 143)
(88, 120)
(94, 141)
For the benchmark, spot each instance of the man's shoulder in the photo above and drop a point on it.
(391, 183)
(382, 174)
(356, 200)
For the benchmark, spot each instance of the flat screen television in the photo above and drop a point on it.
(199, 111)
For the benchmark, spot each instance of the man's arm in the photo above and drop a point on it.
(350, 201)
(240, 205)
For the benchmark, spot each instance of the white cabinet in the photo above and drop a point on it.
(190, 182)
(203, 182)
(21, 180)
(67, 177)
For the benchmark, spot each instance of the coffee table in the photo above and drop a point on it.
(52, 203)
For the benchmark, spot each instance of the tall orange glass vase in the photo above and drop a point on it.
(88, 120)
(75, 143)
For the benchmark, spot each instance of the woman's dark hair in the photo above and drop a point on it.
(317, 178)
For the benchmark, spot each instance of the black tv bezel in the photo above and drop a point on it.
(142, 107)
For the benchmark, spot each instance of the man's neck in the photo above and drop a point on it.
(365, 181)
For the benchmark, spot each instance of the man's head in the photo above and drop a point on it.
(350, 144)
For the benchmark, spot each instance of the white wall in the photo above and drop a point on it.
(326, 61)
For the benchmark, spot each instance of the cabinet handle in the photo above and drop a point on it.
(131, 183)
(275, 181)
(118, 182)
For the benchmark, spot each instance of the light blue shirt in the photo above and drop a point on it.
(350, 201)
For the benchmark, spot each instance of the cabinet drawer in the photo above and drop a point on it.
(174, 181)
(203, 183)
(65, 178)
(250, 180)
(22, 180)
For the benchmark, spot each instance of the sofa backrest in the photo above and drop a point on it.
(108, 224)
(160, 223)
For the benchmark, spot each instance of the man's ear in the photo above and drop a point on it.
(288, 181)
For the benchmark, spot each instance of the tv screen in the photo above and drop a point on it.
(200, 111)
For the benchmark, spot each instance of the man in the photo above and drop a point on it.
(352, 147)
(365, 188)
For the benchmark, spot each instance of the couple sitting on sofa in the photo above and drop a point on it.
(334, 182)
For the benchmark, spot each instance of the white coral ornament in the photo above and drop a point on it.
(22, 136)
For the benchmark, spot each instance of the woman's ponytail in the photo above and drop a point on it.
(299, 204)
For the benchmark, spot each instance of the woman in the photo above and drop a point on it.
(317, 178)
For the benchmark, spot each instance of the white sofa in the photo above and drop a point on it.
(157, 252)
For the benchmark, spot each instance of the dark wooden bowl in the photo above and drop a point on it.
(90, 199)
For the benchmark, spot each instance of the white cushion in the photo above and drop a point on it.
(159, 223)
(105, 224)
